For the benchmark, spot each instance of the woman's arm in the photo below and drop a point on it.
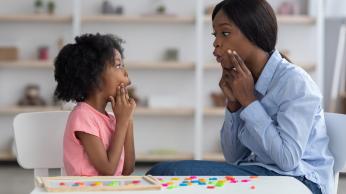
(284, 139)
(232, 148)
(129, 161)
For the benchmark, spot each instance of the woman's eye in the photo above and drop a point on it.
(225, 33)
(214, 34)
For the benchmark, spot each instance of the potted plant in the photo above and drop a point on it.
(38, 6)
(161, 9)
(51, 7)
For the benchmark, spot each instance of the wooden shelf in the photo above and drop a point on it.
(164, 65)
(343, 95)
(7, 156)
(139, 19)
(147, 111)
(283, 19)
(297, 19)
(17, 109)
(140, 111)
(147, 157)
(129, 65)
(306, 67)
(140, 157)
(212, 66)
(211, 111)
(35, 18)
(27, 64)
(213, 156)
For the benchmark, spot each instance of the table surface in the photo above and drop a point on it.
(217, 185)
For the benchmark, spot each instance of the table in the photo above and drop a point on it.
(216, 185)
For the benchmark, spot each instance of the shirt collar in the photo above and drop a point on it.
(267, 74)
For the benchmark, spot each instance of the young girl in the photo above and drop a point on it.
(274, 122)
(91, 72)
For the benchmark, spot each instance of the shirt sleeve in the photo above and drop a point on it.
(83, 123)
(232, 148)
(284, 139)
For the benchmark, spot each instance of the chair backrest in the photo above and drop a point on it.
(336, 129)
(39, 140)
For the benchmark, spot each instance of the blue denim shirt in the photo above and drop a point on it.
(284, 129)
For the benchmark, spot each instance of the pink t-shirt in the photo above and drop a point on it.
(86, 119)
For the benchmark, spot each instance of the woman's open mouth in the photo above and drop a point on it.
(219, 59)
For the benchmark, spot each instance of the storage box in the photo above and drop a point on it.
(8, 53)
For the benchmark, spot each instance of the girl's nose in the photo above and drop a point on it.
(125, 73)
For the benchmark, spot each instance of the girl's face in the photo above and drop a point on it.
(228, 36)
(114, 75)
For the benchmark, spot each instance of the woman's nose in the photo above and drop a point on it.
(216, 43)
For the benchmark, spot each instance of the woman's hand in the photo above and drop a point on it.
(232, 103)
(226, 88)
(240, 80)
(123, 106)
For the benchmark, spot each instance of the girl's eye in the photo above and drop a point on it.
(225, 33)
(214, 34)
(119, 66)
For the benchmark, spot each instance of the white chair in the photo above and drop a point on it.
(336, 129)
(39, 140)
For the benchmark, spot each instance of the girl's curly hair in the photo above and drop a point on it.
(78, 67)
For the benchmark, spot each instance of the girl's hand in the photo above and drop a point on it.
(123, 106)
(240, 80)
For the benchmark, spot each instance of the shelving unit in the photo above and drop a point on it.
(188, 128)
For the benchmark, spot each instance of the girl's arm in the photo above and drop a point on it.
(104, 161)
(129, 161)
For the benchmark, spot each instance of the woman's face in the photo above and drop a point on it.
(114, 75)
(228, 37)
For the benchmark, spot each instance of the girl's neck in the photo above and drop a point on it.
(98, 102)
(257, 62)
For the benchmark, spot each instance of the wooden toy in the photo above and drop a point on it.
(97, 183)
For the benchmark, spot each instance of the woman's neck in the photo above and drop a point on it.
(98, 102)
(256, 62)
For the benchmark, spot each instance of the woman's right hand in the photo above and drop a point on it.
(123, 106)
(226, 89)
(232, 103)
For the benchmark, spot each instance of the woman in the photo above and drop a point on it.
(274, 123)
